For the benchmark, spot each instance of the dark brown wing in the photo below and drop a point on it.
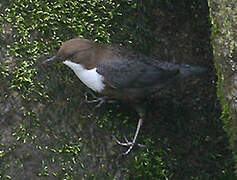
(135, 74)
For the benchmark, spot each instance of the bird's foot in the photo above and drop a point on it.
(99, 100)
(127, 143)
(131, 144)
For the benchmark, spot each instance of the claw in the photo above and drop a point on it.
(100, 100)
(128, 143)
(90, 101)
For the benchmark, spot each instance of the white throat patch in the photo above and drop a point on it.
(89, 77)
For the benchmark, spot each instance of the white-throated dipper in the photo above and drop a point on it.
(119, 73)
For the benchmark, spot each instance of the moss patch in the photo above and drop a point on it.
(224, 50)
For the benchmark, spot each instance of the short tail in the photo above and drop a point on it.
(189, 70)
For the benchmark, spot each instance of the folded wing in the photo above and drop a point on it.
(136, 74)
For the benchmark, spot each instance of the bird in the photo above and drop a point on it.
(120, 73)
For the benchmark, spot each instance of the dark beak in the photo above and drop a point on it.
(50, 59)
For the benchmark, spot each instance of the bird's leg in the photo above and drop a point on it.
(99, 100)
(141, 113)
(131, 144)
(88, 91)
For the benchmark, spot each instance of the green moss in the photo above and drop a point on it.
(223, 40)
(150, 164)
(225, 116)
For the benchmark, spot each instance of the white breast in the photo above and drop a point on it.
(89, 77)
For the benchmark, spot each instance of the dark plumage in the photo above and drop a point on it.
(120, 73)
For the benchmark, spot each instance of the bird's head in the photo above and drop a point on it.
(78, 50)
